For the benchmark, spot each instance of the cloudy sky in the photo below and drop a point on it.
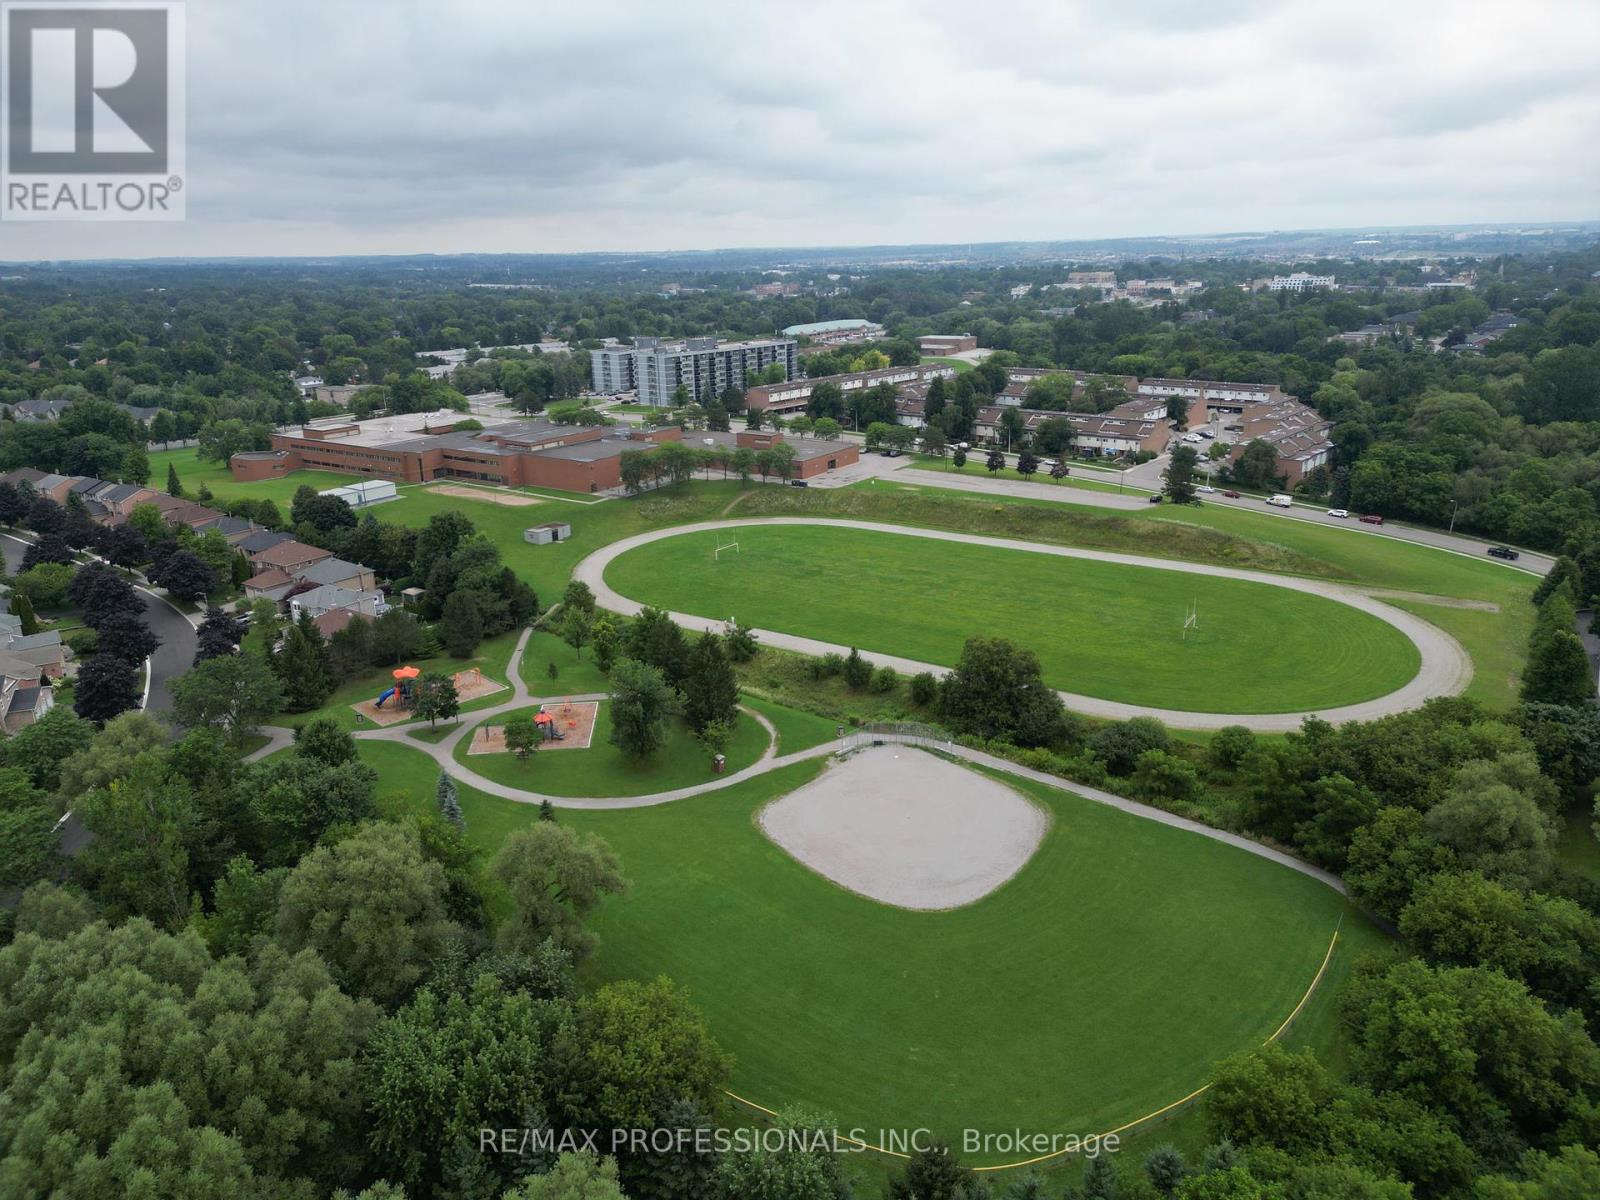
(323, 127)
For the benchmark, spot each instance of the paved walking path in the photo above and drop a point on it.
(1445, 669)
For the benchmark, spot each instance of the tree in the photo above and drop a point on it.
(284, 804)
(1257, 467)
(174, 484)
(641, 1044)
(1027, 464)
(436, 698)
(185, 577)
(578, 595)
(555, 877)
(323, 513)
(1121, 744)
(958, 458)
(857, 671)
(484, 1054)
(137, 864)
(218, 635)
(303, 667)
(125, 635)
(447, 800)
(522, 736)
(45, 585)
(372, 906)
(40, 749)
(1179, 487)
(274, 1112)
(995, 462)
(1475, 1047)
(46, 548)
(641, 704)
(236, 693)
(998, 691)
(326, 741)
(22, 608)
(111, 753)
(577, 627)
(106, 685)
(575, 1176)
(606, 642)
(934, 1174)
(461, 624)
(29, 840)
(710, 688)
(795, 1171)
(1165, 1168)
(1493, 827)
(1558, 672)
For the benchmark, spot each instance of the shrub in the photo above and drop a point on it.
(82, 642)
(828, 666)
(885, 679)
(1229, 746)
(857, 671)
(924, 689)
(1120, 744)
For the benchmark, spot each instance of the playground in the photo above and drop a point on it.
(394, 704)
(567, 725)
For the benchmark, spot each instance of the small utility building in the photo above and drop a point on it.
(543, 535)
(364, 492)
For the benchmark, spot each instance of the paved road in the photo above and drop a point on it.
(1446, 668)
(1530, 562)
(176, 652)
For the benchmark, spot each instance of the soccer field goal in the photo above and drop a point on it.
(730, 547)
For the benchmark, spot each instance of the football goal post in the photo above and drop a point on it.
(730, 548)
(1191, 620)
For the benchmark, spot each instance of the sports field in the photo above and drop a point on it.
(1099, 629)
(1100, 983)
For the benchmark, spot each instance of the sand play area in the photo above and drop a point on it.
(471, 684)
(509, 499)
(574, 719)
(899, 825)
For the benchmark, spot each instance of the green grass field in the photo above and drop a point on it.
(1101, 629)
(1099, 984)
(601, 770)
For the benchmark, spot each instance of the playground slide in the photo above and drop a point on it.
(383, 697)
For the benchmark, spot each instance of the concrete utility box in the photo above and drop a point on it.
(543, 535)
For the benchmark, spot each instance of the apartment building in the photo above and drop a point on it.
(704, 367)
(792, 396)
(1300, 281)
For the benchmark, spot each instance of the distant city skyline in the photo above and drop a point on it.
(494, 127)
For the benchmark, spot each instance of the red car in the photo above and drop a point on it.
(1231, 495)
(1372, 519)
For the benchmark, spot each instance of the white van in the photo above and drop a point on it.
(1280, 500)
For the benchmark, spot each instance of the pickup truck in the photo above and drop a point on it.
(1505, 552)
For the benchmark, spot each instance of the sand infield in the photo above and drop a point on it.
(907, 828)
(509, 499)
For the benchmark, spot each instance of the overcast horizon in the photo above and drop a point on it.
(492, 128)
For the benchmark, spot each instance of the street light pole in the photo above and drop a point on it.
(1454, 504)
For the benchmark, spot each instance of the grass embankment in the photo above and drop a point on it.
(1099, 984)
(976, 466)
(1101, 629)
(602, 770)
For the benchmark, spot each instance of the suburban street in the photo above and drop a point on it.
(176, 652)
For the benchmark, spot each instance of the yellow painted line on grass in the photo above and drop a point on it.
(1149, 1116)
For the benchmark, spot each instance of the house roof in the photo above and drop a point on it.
(272, 577)
(332, 570)
(331, 596)
(263, 539)
(290, 554)
(25, 699)
(332, 621)
(34, 641)
(17, 668)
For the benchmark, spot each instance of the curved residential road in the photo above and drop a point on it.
(177, 633)
(1446, 668)
(1138, 499)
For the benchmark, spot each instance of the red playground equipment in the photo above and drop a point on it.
(403, 691)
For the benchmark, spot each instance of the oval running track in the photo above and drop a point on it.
(1445, 667)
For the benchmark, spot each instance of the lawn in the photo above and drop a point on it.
(1099, 984)
(1100, 629)
(574, 676)
(491, 657)
(960, 364)
(193, 473)
(601, 770)
(976, 466)
(797, 730)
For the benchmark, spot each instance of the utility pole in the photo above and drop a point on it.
(1454, 504)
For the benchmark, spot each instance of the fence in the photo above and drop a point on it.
(909, 733)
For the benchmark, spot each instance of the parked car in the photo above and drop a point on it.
(799, 483)
(1206, 488)
(891, 452)
(1156, 499)
(1341, 513)
(1191, 437)
(1207, 434)
(1231, 494)
(1505, 552)
(1372, 519)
